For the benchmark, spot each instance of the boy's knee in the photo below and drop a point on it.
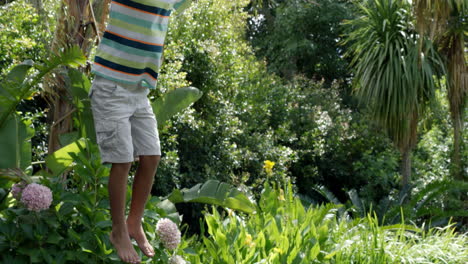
(150, 160)
(121, 166)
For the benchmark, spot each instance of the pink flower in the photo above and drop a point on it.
(36, 197)
(17, 188)
(169, 233)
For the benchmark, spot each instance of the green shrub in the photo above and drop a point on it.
(25, 33)
(284, 231)
(76, 226)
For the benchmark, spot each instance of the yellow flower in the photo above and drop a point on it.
(281, 196)
(277, 250)
(248, 240)
(268, 166)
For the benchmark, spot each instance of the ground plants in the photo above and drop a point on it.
(250, 127)
(76, 226)
(282, 231)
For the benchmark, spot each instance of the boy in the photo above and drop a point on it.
(126, 67)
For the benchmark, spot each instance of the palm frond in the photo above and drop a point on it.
(392, 76)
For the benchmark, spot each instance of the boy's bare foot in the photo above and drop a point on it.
(136, 232)
(124, 247)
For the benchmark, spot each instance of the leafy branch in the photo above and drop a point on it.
(15, 88)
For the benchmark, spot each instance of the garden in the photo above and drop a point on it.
(292, 131)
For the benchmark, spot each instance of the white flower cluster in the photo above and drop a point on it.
(169, 233)
(177, 260)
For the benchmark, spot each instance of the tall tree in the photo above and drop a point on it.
(79, 22)
(299, 37)
(446, 23)
(392, 76)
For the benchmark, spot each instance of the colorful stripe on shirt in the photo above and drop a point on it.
(132, 45)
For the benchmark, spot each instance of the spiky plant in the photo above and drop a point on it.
(392, 76)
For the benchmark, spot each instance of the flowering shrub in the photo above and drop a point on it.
(76, 227)
(36, 197)
(169, 233)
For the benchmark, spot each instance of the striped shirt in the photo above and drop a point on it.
(131, 49)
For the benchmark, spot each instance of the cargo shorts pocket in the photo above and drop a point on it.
(106, 134)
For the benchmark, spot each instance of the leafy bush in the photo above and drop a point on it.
(25, 32)
(247, 116)
(75, 228)
(284, 231)
(301, 37)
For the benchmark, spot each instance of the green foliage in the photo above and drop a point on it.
(301, 37)
(394, 67)
(25, 32)
(83, 117)
(214, 192)
(432, 154)
(173, 102)
(18, 84)
(247, 116)
(11, 95)
(61, 159)
(428, 206)
(75, 228)
(427, 203)
(16, 145)
(335, 147)
(207, 43)
(284, 231)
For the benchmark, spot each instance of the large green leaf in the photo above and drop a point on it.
(61, 159)
(10, 89)
(173, 102)
(72, 57)
(79, 86)
(214, 192)
(15, 88)
(15, 138)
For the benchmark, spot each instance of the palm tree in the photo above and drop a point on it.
(392, 77)
(446, 23)
(78, 23)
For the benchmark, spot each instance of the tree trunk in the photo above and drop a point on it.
(457, 162)
(406, 146)
(406, 168)
(457, 95)
(76, 25)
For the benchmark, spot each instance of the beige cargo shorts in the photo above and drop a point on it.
(126, 127)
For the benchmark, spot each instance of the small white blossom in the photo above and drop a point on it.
(177, 260)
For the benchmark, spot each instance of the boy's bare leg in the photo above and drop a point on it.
(141, 190)
(119, 236)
